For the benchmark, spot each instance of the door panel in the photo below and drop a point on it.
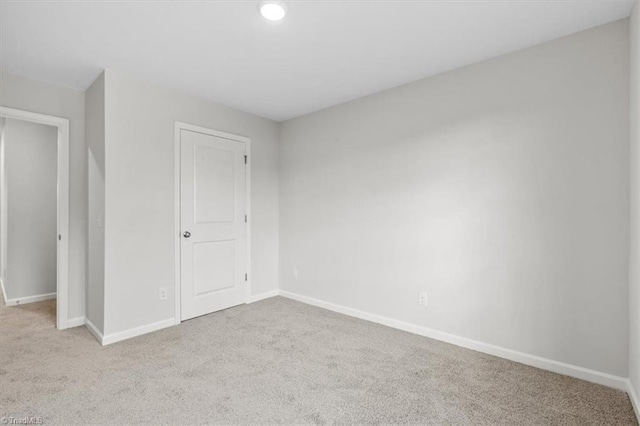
(212, 210)
(215, 189)
(214, 266)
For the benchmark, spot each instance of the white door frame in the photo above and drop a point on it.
(62, 279)
(177, 224)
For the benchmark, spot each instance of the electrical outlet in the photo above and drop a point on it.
(163, 293)
(295, 273)
(422, 298)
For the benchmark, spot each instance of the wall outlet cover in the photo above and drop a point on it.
(422, 298)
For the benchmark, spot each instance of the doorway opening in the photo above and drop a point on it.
(34, 210)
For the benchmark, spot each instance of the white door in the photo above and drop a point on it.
(213, 254)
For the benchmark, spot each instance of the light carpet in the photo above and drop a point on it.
(278, 361)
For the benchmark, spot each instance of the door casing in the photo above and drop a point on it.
(179, 126)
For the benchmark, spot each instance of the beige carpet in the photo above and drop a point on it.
(278, 361)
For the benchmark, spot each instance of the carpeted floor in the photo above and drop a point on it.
(278, 361)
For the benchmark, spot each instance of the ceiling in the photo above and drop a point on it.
(322, 54)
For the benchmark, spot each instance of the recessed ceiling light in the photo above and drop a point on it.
(272, 10)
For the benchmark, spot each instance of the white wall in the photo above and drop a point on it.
(501, 189)
(30, 95)
(634, 288)
(139, 196)
(31, 175)
(95, 135)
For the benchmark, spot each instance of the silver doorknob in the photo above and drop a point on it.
(187, 234)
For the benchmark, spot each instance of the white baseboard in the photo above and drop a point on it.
(262, 296)
(75, 322)
(29, 299)
(127, 334)
(137, 331)
(633, 396)
(523, 358)
(93, 330)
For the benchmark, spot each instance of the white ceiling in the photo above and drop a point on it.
(323, 53)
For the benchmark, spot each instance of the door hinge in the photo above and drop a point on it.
(245, 159)
(59, 237)
(245, 218)
(246, 276)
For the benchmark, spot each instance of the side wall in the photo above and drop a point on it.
(30, 95)
(501, 189)
(139, 215)
(634, 288)
(31, 152)
(95, 136)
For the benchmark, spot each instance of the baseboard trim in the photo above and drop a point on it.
(589, 375)
(75, 322)
(29, 299)
(134, 332)
(94, 330)
(633, 396)
(262, 296)
(137, 331)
